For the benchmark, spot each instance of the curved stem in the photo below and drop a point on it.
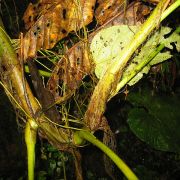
(116, 159)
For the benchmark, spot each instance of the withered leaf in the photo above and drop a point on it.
(52, 21)
(77, 63)
(70, 70)
(44, 96)
(34, 11)
(107, 9)
(97, 105)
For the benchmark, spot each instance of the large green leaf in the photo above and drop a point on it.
(156, 120)
(108, 43)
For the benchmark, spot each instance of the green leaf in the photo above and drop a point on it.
(107, 44)
(160, 58)
(148, 48)
(175, 38)
(156, 120)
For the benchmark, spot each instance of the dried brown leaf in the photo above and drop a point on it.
(77, 62)
(52, 22)
(105, 86)
(34, 11)
(107, 9)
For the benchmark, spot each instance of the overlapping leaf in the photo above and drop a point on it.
(48, 29)
(148, 48)
(107, 9)
(50, 21)
(107, 44)
(76, 63)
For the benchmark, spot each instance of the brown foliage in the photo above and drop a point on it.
(77, 63)
(50, 21)
(107, 9)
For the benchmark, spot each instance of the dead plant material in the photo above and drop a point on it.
(77, 160)
(77, 62)
(18, 90)
(44, 95)
(109, 81)
(50, 21)
(108, 8)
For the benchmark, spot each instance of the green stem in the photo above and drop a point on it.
(30, 139)
(41, 72)
(149, 25)
(107, 85)
(138, 68)
(170, 9)
(116, 159)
